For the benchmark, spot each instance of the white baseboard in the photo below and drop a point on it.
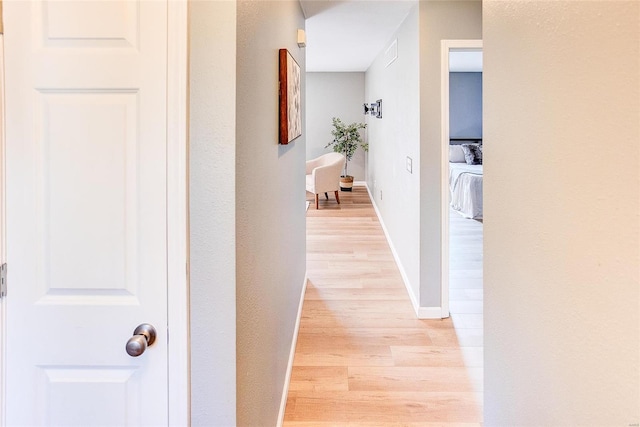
(360, 184)
(430, 313)
(292, 353)
(421, 312)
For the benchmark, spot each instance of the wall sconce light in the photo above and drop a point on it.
(302, 38)
(375, 109)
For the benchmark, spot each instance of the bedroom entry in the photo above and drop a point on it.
(462, 216)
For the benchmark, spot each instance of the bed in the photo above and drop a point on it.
(465, 181)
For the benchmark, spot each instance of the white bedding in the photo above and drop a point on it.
(465, 185)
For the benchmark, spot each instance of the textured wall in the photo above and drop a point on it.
(562, 226)
(270, 197)
(394, 138)
(212, 31)
(334, 95)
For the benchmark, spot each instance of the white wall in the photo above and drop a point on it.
(331, 95)
(396, 191)
(270, 197)
(562, 228)
(212, 31)
(439, 20)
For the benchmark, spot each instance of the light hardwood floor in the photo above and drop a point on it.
(362, 357)
(466, 293)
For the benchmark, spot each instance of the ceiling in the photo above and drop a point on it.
(347, 35)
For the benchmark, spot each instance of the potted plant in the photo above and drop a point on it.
(346, 140)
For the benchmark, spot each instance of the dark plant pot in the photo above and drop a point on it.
(346, 183)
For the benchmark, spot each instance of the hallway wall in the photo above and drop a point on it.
(247, 211)
(334, 95)
(212, 145)
(411, 127)
(393, 138)
(270, 198)
(562, 206)
(439, 20)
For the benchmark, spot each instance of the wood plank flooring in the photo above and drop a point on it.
(362, 358)
(466, 293)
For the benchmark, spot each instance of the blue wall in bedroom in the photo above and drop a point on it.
(465, 105)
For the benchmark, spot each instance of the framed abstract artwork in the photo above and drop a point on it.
(290, 98)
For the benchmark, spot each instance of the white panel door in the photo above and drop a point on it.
(86, 211)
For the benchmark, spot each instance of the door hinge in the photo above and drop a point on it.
(3, 280)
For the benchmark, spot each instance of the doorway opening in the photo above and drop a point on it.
(456, 56)
(462, 227)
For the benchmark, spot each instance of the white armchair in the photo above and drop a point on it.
(323, 175)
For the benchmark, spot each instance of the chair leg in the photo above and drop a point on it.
(316, 201)
(337, 197)
(326, 196)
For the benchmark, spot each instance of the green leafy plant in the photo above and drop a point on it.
(347, 139)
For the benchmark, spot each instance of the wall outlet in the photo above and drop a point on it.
(409, 164)
(380, 194)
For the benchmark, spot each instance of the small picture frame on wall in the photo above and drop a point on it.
(290, 98)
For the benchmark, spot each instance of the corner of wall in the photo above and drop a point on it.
(421, 312)
(292, 353)
(212, 164)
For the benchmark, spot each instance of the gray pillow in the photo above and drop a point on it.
(472, 153)
(456, 155)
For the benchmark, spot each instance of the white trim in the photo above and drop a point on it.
(178, 347)
(444, 179)
(445, 47)
(421, 312)
(3, 259)
(431, 313)
(359, 183)
(292, 353)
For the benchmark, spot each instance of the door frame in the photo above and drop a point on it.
(445, 47)
(3, 257)
(179, 352)
(177, 220)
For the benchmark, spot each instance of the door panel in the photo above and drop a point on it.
(86, 211)
(59, 387)
(88, 194)
(103, 23)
